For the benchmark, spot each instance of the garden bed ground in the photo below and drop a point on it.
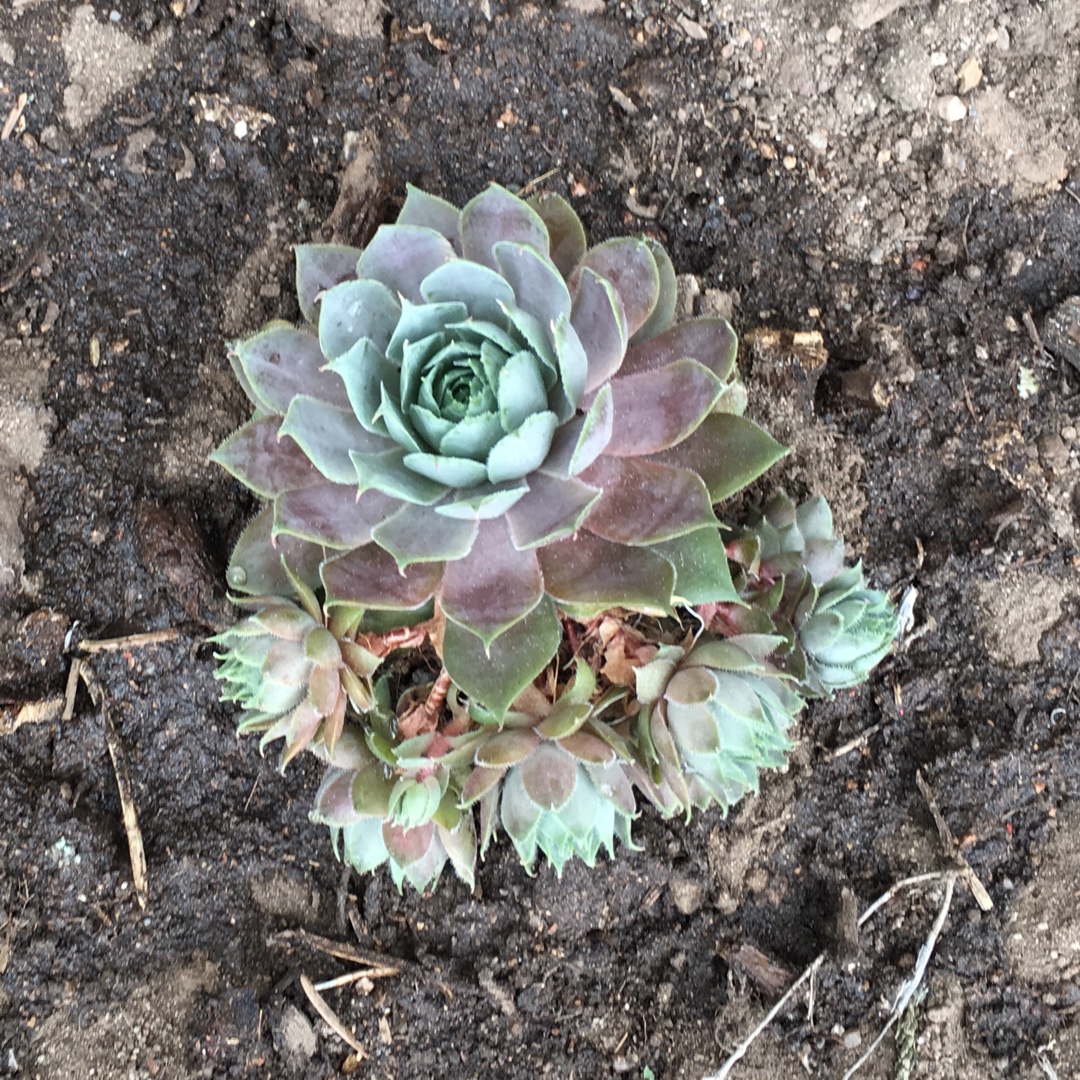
(841, 167)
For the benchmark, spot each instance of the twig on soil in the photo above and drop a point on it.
(30, 712)
(951, 848)
(328, 1014)
(339, 950)
(535, 182)
(739, 1052)
(859, 740)
(13, 116)
(136, 851)
(908, 988)
(131, 641)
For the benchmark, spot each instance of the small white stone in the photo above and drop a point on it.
(240, 129)
(951, 108)
(833, 34)
(902, 150)
(938, 59)
(114, 15)
(818, 141)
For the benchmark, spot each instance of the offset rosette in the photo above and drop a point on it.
(484, 415)
(293, 675)
(553, 776)
(403, 814)
(793, 569)
(712, 718)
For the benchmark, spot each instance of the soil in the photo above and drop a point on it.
(892, 176)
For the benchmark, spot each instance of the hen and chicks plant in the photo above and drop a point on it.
(489, 579)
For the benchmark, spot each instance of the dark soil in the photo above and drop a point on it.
(953, 488)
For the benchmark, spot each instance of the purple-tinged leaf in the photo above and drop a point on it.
(629, 265)
(354, 310)
(663, 315)
(329, 436)
(401, 256)
(520, 813)
(591, 573)
(238, 370)
(284, 621)
(268, 463)
(331, 514)
(611, 783)
(548, 776)
(322, 648)
(282, 361)
(727, 452)
(645, 503)
(565, 232)
(334, 800)
(431, 212)
(324, 690)
(598, 318)
(654, 410)
(580, 442)
(506, 748)
(494, 586)
(538, 287)
(552, 508)
(496, 215)
(255, 567)
(588, 748)
(320, 267)
(369, 578)
(417, 534)
(711, 342)
(407, 846)
(495, 676)
(481, 780)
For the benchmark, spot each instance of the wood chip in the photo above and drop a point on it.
(31, 712)
(623, 101)
(131, 641)
(13, 116)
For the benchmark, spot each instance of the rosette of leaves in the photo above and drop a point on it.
(713, 716)
(294, 673)
(794, 571)
(396, 805)
(552, 775)
(482, 414)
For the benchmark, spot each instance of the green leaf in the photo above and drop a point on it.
(430, 211)
(565, 232)
(256, 564)
(472, 437)
(728, 452)
(354, 310)
(497, 675)
(320, 267)
(454, 472)
(329, 437)
(519, 453)
(496, 215)
(521, 391)
(401, 256)
(573, 361)
(538, 287)
(702, 574)
(365, 371)
(506, 748)
(479, 288)
(594, 574)
(482, 503)
(663, 315)
(419, 321)
(388, 473)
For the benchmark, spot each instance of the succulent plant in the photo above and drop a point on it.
(482, 413)
(713, 717)
(489, 451)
